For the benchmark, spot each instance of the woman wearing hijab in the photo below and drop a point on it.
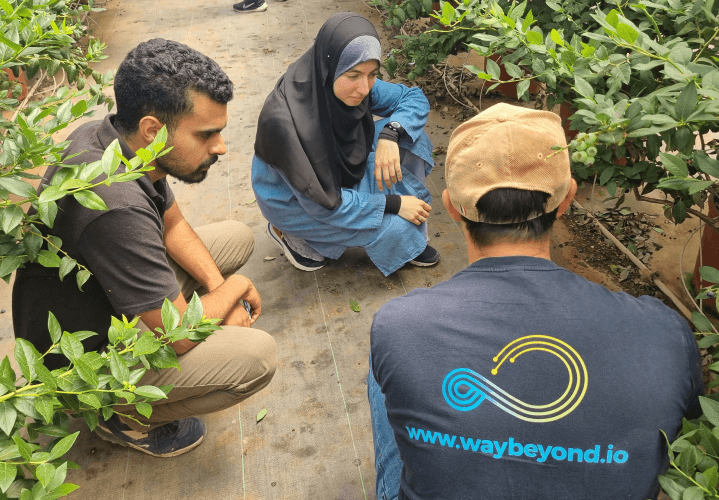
(321, 160)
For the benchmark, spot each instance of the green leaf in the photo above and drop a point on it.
(8, 472)
(17, 186)
(687, 101)
(708, 341)
(534, 38)
(151, 392)
(522, 90)
(44, 406)
(53, 326)
(146, 344)
(111, 158)
(118, 367)
(7, 374)
(701, 322)
(607, 174)
(71, 347)
(9, 264)
(11, 217)
(709, 274)
(583, 87)
(89, 199)
(626, 32)
(79, 108)
(170, 316)
(706, 164)
(679, 211)
(354, 305)
(26, 355)
(513, 70)
(62, 446)
(23, 447)
(61, 491)
(82, 277)
(671, 487)
(710, 409)
(8, 415)
(52, 193)
(136, 375)
(45, 473)
(556, 37)
(448, 12)
(164, 357)
(711, 475)
(194, 310)
(86, 372)
(47, 258)
(90, 400)
(67, 264)
(693, 493)
(261, 414)
(493, 69)
(144, 409)
(674, 165)
(681, 54)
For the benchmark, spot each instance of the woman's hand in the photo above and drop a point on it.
(414, 210)
(386, 163)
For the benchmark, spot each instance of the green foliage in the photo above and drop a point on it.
(637, 86)
(91, 384)
(35, 406)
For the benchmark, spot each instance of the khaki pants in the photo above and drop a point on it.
(230, 365)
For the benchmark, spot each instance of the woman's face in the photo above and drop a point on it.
(354, 84)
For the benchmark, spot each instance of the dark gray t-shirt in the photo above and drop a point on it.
(517, 379)
(123, 246)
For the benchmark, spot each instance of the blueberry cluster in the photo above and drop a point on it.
(583, 147)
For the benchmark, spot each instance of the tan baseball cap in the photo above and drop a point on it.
(507, 146)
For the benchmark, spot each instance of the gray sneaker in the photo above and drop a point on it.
(168, 440)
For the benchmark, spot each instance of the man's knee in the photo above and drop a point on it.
(255, 357)
(230, 243)
(243, 240)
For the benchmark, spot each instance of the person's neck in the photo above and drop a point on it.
(135, 143)
(538, 249)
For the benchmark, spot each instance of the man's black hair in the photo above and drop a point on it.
(156, 79)
(511, 204)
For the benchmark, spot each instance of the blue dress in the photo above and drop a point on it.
(360, 221)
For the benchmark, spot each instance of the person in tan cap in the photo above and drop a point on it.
(516, 378)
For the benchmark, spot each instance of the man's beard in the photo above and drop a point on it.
(197, 175)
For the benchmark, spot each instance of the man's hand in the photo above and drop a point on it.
(238, 315)
(414, 210)
(386, 163)
(225, 302)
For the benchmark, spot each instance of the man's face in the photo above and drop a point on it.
(196, 141)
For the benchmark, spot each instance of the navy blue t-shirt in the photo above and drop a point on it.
(517, 379)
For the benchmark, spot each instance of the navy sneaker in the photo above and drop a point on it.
(428, 257)
(301, 263)
(168, 440)
(250, 6)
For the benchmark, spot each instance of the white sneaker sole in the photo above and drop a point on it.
(278, 241)
(110, 437)
(258, 9)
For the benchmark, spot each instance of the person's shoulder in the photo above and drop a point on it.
(85, 144)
